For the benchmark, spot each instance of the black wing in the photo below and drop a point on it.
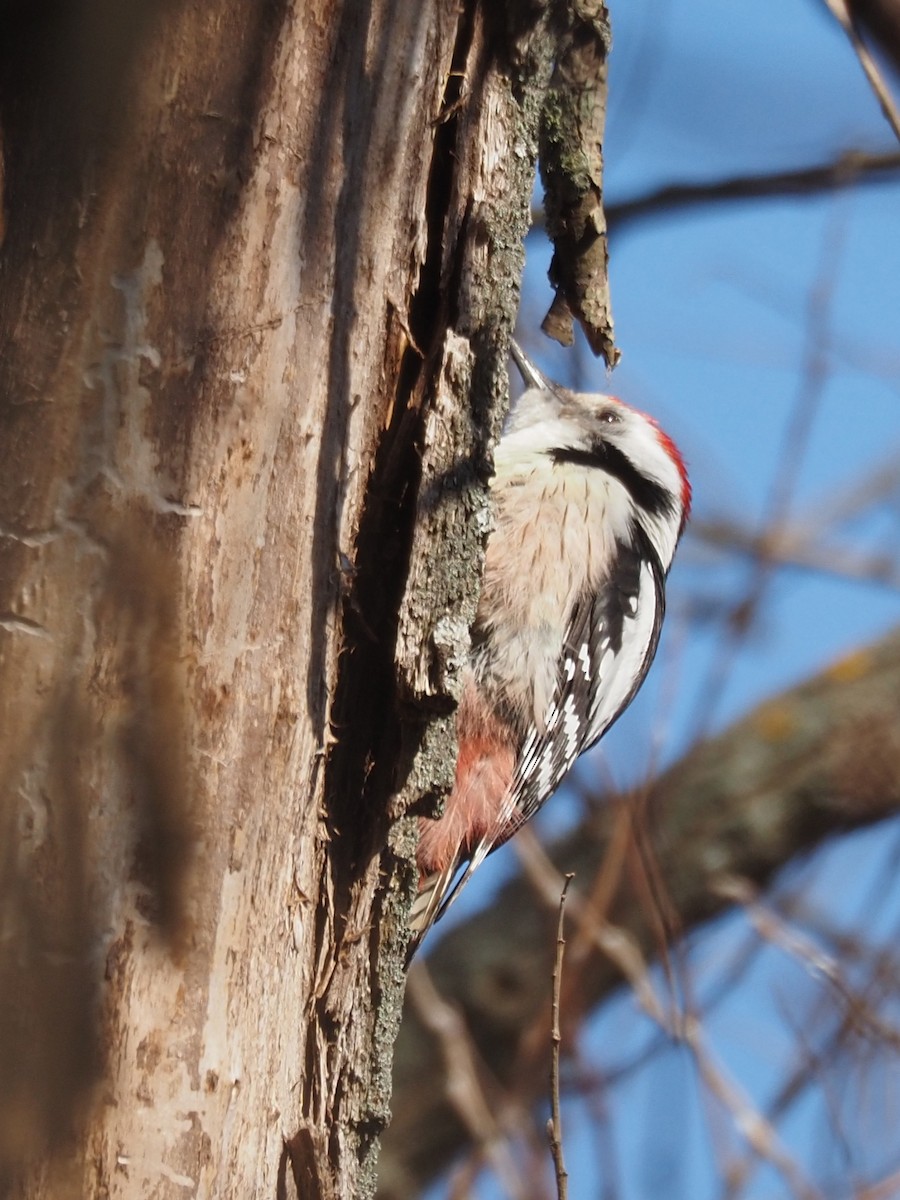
(608, 649)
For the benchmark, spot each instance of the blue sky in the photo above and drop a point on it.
(712, 311)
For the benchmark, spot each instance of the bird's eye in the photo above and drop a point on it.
(610, 417)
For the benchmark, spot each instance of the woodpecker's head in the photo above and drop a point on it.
(598, 432)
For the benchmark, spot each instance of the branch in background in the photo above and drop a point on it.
(787, 547)
(554, 1125)
(882, 19)
(818, 760)
(845, 14)
(467, 1086)
(806, 541)
(854, 166)
(855, 977)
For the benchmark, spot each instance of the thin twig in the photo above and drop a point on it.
(622, 948)
(793, 546)
(851, 167)
(777, 931)
(465, 1091)
(886, 1189)
(554, 1125)
(841, 12)
(795, 442)
(753, 1127)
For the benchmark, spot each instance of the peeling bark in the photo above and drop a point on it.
(572, 129)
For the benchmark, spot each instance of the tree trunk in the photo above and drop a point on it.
(260, 261)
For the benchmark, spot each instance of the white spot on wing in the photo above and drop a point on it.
(618, 673)
(584, 657)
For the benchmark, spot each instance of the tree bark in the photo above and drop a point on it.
(818, 760)
(259, 265)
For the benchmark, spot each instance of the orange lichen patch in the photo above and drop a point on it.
(854, 666)
(775, 721)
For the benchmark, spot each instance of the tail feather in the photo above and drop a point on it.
(438, 891)
(427, 904)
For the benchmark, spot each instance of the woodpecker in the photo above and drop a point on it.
(590, 498)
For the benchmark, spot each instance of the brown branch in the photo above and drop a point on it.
(853, 994)
(777, 931)
(465, 1078)
(855, 166)
(571, 161)
(885, 1189)
(624, 952)
(791, 546)
(842, 13)
(758, 1133)
(882, 19)
(554, 1125)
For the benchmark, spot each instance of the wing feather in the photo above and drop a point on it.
(609, 646)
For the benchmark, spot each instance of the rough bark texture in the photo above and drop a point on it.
(259, 264)
(572, 129)
(820, 759)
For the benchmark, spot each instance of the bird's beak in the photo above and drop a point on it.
(529, 372)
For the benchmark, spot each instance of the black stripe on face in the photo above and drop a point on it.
(646, 493)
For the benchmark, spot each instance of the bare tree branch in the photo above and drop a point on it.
(844, 14)
(554, 1125)
(882, 19)
(466, 1084)
(786, 547)
(855, 166)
